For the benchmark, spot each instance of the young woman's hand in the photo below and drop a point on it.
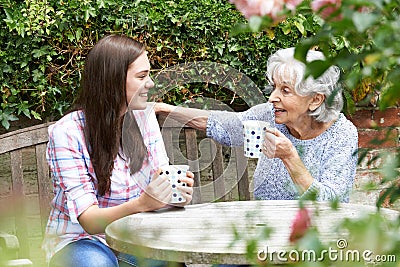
(157, 194)
(186, 191)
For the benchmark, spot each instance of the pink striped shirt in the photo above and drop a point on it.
(74, 179)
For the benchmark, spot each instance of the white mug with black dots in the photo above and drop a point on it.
(174, 173)
(254, 133)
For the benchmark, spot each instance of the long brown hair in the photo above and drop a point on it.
(102, 99)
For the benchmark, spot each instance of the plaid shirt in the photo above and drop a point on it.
(74, 179)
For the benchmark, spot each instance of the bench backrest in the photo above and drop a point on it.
(28, 191)
(28, 196)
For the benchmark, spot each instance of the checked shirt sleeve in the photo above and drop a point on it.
(72, 171)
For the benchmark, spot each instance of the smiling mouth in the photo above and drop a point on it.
(279, 110)
(143, 95)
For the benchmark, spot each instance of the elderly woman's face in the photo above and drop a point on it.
(290, 108)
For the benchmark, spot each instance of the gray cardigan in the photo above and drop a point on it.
(331, 157)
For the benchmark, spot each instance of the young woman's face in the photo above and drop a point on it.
(138, 82)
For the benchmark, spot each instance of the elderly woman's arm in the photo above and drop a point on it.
(195, 118)
(277, 145)
(331, 178)
(224, 127)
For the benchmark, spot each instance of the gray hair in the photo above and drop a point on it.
(282, 64)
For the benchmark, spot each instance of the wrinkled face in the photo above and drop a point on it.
(138, 82)
(290, 108)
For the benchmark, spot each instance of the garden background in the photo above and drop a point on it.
(44, 44)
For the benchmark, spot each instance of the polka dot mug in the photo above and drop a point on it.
(254, 133)
(174, 173)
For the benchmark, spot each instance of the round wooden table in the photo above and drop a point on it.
(217, 232)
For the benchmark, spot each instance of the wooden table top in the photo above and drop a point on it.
(205, 233)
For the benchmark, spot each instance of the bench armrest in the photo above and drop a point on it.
(9, 246)
(8, 243)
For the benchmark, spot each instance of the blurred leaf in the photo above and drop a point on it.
(310, 241)
(335, 204)
(350, 106)
(255, 23)
(363, 21)
(390, 96)
(316, 68)
(302, 50)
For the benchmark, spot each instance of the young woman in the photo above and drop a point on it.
(105, 157)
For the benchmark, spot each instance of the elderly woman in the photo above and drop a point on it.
(312, 150)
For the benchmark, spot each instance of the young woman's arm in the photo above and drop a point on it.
(157, 194)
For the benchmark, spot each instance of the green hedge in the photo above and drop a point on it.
(44, 43)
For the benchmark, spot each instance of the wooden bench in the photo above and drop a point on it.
(24, 199)
(26, 186)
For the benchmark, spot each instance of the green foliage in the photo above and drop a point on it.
(362, 38)
(363, 41)
(44, 44)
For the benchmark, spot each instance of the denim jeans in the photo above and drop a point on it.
(93, 253)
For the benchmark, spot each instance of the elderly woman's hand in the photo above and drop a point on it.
(277, 145)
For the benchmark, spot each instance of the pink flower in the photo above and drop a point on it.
(292, 4)
(270, 8)
(326, 8)
(300, 225)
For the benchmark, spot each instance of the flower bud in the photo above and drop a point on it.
(300, 225)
